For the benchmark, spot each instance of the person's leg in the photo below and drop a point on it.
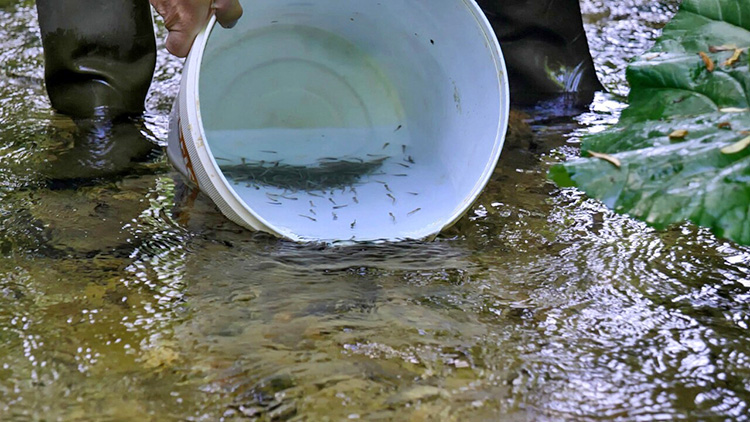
(98, 54)
(545, 49)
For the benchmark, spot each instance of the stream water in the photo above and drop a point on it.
(126, 298)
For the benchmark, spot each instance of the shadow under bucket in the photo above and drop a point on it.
(336, 120)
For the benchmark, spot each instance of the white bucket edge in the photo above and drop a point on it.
(186, 117)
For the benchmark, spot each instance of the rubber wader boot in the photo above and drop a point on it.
(545, 50)
(99, 55)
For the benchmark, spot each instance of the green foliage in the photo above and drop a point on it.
(696, 79)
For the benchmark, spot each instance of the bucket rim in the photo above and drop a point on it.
(219, 182)
(504, 112)
(251, 219)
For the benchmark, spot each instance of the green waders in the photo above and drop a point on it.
(545, 49)
(98, 54)
(101, 53)
(99, 59)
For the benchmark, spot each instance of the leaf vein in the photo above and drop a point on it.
(667, 87)
(720, 21)
(718, 7)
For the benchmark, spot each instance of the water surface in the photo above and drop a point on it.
(127, 297)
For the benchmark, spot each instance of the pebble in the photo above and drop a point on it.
(419, 393)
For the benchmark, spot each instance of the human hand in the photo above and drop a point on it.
(185, 18)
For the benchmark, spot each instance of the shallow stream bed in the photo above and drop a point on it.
(125, 297)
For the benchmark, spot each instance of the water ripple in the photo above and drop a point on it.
(132, 298)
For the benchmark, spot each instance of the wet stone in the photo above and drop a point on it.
(251, 411)
(243, 297)
(420, 393)
(265, 391)
(283, 412)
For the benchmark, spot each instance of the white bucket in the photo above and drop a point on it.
(338, 120)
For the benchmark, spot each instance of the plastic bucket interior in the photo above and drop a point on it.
(338, 120)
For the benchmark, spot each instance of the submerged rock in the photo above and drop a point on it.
(519, 135)
(419, 393)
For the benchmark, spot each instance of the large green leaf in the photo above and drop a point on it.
(662, 179)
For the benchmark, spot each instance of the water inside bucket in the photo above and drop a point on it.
(329, 136)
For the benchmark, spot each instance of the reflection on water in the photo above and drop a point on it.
(616, 31)
(129, 298)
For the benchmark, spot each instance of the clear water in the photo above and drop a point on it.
(319, 103)
(128, 298)
(329, 131)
